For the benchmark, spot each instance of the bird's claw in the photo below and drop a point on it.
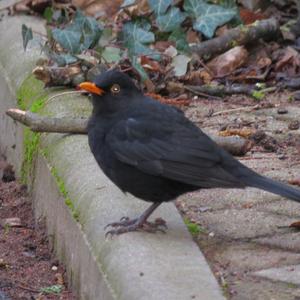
(128, 225)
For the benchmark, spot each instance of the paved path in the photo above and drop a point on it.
(247, 240)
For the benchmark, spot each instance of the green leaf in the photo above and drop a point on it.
(179, 37)
(67, 59)
(60, 59)
(53, 289)
(136, 36)
(26, 35)
(208, 17)
(139, 68)
(111, 54)
(106, 37)
(83, 33)
(171, 20)
(68, 39)
(90, 29)
(159, 6)
(193, 7)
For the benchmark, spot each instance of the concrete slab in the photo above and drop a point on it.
(287, 240)
(263, 289)
(289, 274)
(244, 224)
(15, 66)
(252, 257)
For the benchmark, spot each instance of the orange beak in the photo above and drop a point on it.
(91, 87)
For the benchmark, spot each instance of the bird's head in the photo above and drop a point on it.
(111, 91)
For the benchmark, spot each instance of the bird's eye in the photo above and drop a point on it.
(115, 89)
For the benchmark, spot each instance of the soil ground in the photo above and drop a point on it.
(28, 268)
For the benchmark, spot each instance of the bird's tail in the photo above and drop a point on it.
(273, 186)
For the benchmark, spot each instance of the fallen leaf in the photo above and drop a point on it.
(289, 61)
(171, 101)
(294, 181)
(249, 17)
(244, 132)
(180, 64)
(150, 64)
(295, 225)
(98, 8)
(229, 61)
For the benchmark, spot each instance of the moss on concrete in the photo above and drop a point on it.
(62, 188)
(31, 91)
(31, 96)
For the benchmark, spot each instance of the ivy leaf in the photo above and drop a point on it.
(53, 289)
(208, 17)
(89, 27)
(26, 35)
(171, 20)
(193, 7)
(179, 37)
(67, 38)
(159, 6)
(83, 33)
(136, 36)
(111, 54)
(139, 68)
(60, 59)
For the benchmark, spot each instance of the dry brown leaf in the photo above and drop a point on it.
(179, 101)
(98, 8)
(295, 225)
(192, 37)
(229, 61)
(198, 77)
(139, 9)
(59, 279)
(243, 132)
(249, 17)
(150, 64)
(290, 59)
(294, 181)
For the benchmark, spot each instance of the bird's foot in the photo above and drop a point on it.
(128, 225)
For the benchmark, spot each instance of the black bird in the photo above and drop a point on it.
(154, 152)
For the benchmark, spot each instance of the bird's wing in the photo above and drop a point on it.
(181, 152)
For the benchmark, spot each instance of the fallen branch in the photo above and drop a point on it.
(238, 36)
(37, 123)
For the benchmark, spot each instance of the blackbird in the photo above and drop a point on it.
(154, 152)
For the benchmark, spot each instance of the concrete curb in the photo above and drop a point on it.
(77, 200)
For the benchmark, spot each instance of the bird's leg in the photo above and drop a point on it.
(138, 224)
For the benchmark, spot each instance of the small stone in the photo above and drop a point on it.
(282, 111)
(211, 234)
(294, 125)
(54, 268)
